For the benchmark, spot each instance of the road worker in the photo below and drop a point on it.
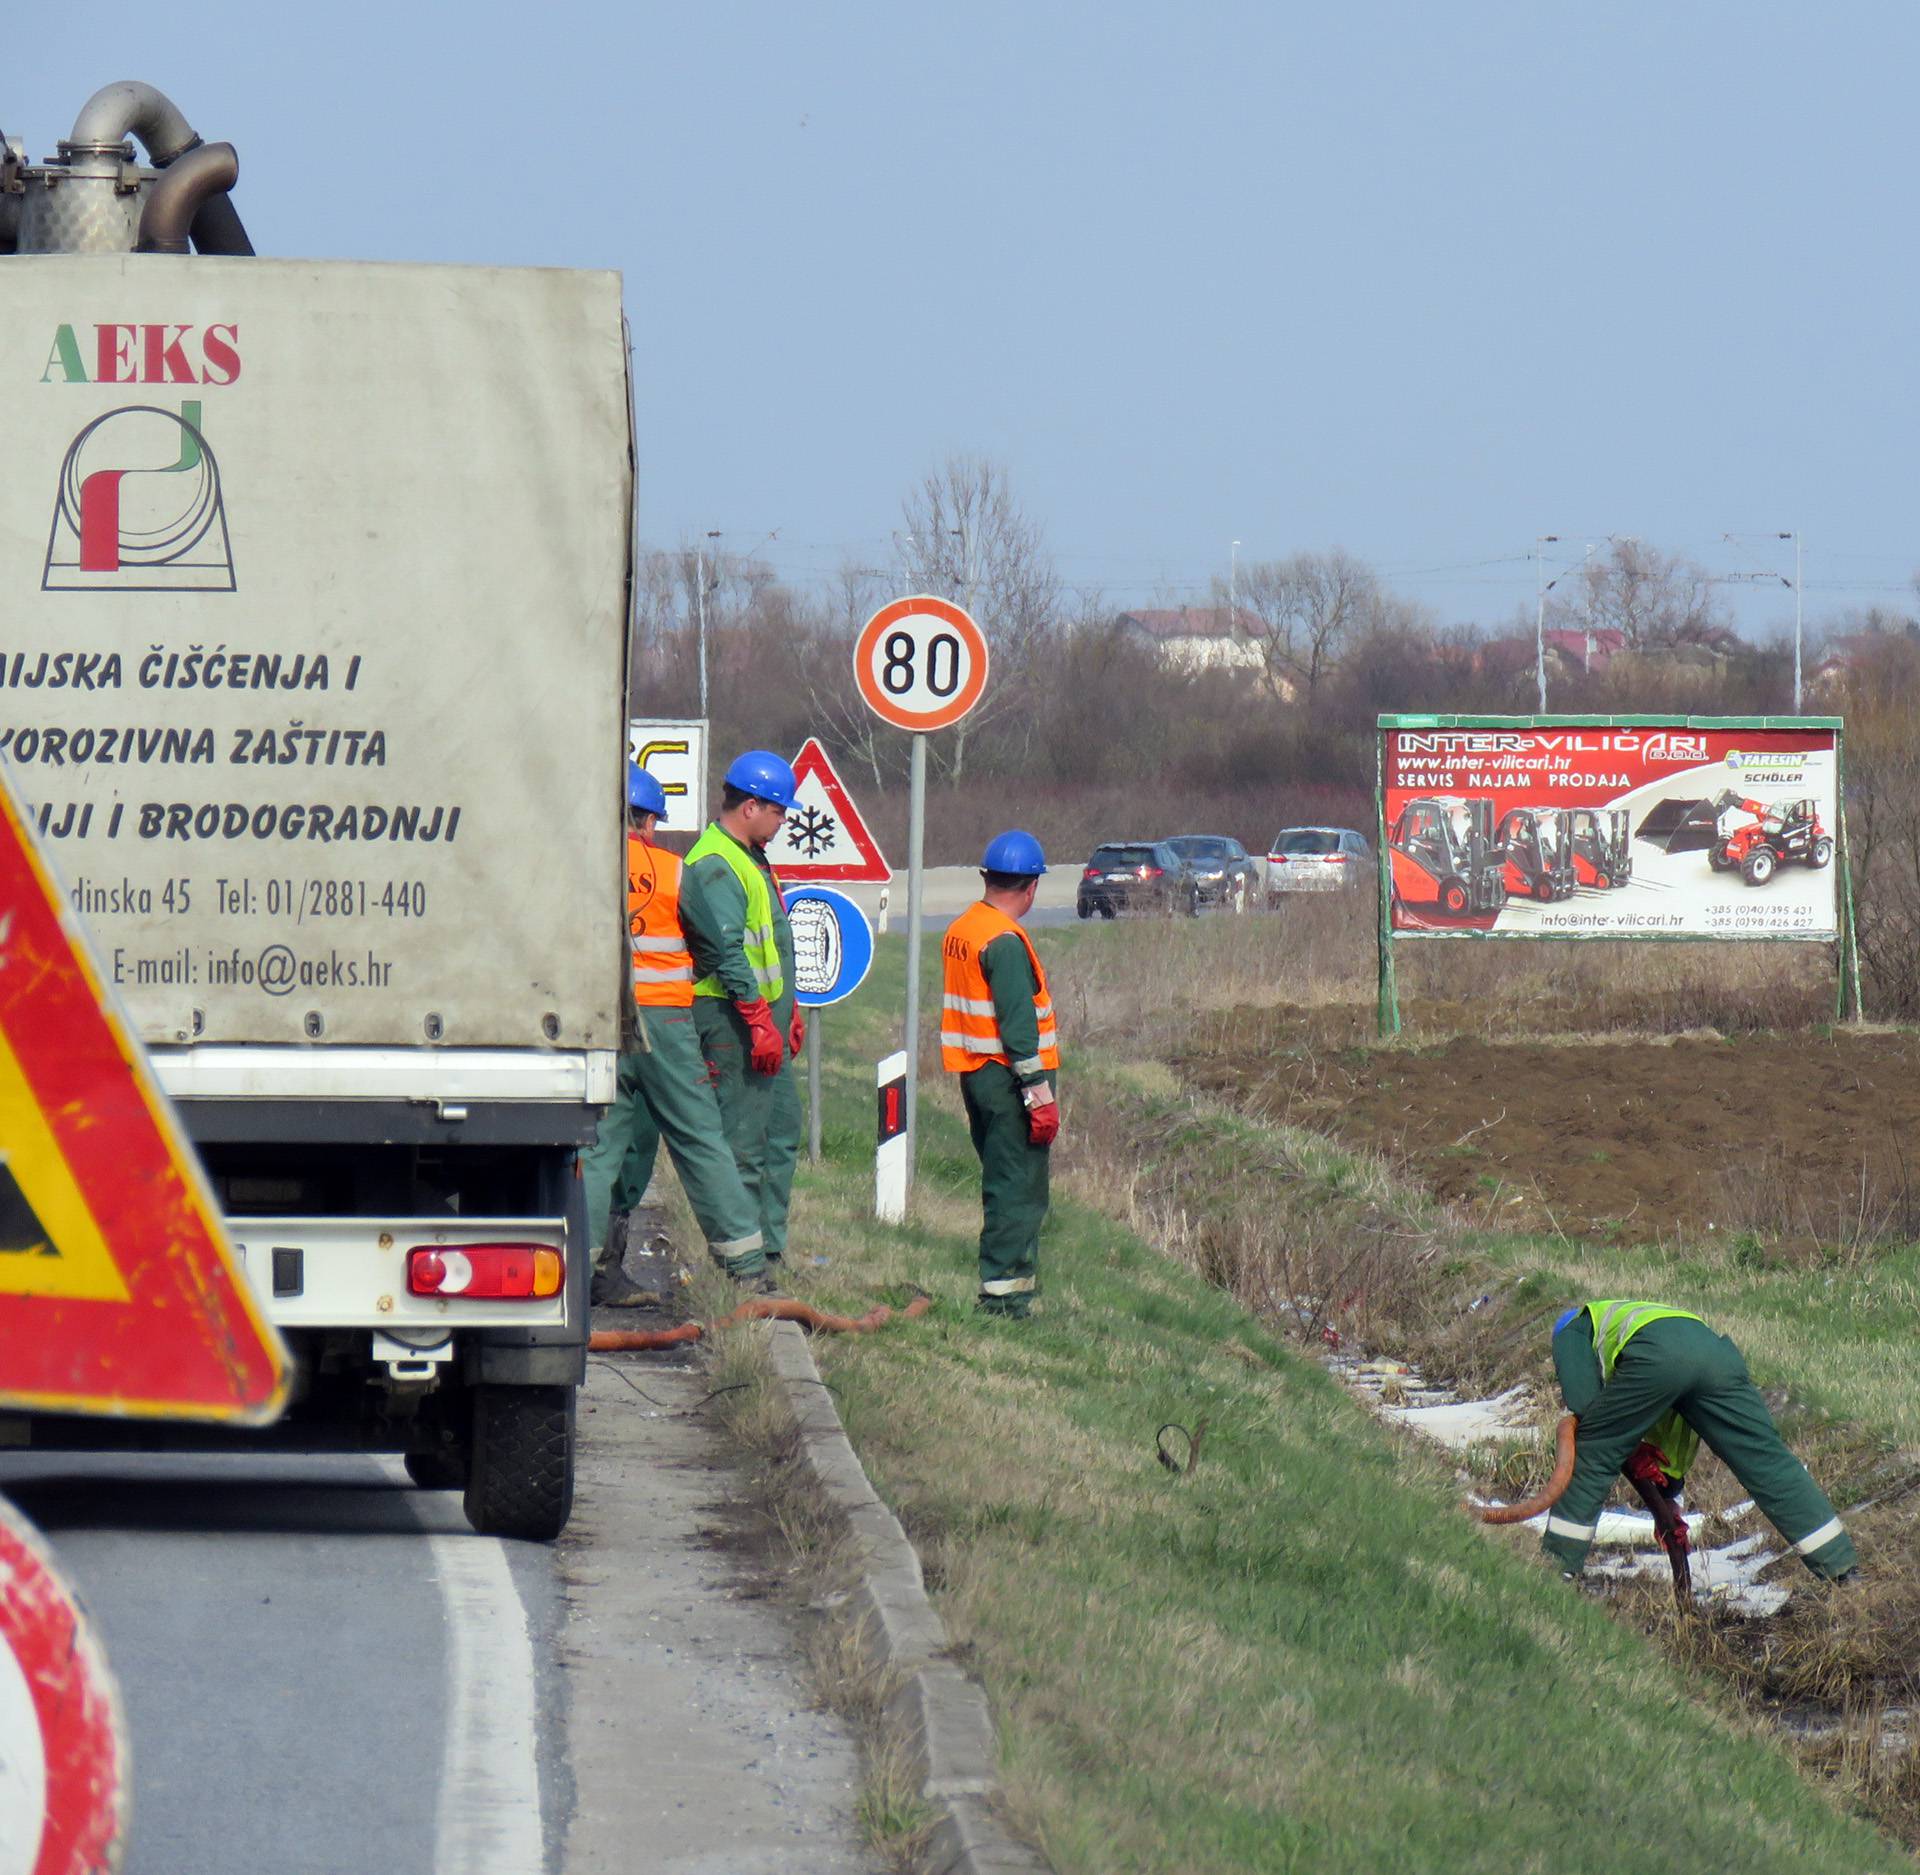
(750, 1026)
(662, 1088)
(1647, 1384)
(997, 1034)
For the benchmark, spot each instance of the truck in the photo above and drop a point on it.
(313, 680)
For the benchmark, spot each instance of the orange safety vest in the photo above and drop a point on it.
(662, 964)
(969, 1028)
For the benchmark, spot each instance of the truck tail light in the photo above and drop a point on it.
(485, 1272)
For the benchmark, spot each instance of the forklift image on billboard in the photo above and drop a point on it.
(1613, 826)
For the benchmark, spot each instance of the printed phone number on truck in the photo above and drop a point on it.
(302, 899)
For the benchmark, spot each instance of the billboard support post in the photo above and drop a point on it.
(1387, 1014)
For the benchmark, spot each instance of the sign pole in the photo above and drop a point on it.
(916, 842)
(814, 1044)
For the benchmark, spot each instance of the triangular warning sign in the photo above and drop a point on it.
(119, 1292)
(823, 839)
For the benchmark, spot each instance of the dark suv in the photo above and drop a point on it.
(1222, 868)
(1137, 875)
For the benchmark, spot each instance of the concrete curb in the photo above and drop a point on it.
(938, 1712)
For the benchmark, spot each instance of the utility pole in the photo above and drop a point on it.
(1233, 591)
(1799, 610)
(700, 606)
(1540, 614)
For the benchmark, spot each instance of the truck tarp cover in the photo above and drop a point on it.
(312, 650)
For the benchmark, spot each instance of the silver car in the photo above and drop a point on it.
(1317, 859)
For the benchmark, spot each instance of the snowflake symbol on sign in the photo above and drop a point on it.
(812, 831)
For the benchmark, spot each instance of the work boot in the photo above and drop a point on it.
(613, 1288)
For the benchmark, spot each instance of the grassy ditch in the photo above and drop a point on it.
(1327, 1239)
(1297, 1654)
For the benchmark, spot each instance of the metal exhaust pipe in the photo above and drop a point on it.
(129, 108)
(174, 204)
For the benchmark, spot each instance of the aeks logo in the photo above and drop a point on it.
(139, 507)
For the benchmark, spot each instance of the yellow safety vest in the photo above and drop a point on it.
(761, 946)
(1614, 1325)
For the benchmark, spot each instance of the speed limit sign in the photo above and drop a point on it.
(920, 663)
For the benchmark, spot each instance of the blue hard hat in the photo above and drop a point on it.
(1565, 1319)
(644, 792)
(1014, 852)
(763, 775)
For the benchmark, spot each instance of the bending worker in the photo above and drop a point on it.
(662, 1090)
(750, 1027)
(997, 1033)
(1648, 1384)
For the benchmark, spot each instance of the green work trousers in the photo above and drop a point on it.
(1013, 1188)
(664, 1094)
(760, 1112)
(1680, 1365)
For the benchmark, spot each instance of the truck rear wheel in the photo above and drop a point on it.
(521, 1481)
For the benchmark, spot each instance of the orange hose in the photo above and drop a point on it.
(760, 1308)
(1563, 1437)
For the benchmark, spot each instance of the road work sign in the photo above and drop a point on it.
(63, 1749)
(119, 1292)
(921, 663)
(823, 838)
(674, 753)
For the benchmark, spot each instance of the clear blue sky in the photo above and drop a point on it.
(1420, 280)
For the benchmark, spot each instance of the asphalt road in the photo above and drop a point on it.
(325, 1672)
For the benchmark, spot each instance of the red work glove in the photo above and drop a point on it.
(797, 1031)
(1643, 1466)
(1043, 1113)
(764, 1046)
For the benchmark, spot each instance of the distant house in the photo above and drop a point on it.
(1845, 653)
(1202, 637)
(1567, 651)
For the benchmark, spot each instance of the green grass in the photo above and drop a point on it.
(1300, 1656)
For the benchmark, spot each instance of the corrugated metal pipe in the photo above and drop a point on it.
(174, 204)
(129, 108)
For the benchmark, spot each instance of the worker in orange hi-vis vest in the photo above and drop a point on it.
(663, 1089)
(997, 1033)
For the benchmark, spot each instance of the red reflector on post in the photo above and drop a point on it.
(485, 1272)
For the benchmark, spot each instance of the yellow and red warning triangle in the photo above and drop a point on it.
(119, 1290)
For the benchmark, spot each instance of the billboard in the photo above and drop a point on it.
(1611, 827)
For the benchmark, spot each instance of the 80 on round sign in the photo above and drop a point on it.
(920, 663)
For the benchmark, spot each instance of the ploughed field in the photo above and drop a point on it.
(1793, 1138)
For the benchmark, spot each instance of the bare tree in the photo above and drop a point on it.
(965, 537)
(1653, 599)
(1303, 612)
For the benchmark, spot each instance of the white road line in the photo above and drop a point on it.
(489, 1819)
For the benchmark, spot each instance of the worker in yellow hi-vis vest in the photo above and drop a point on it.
(662, 1090)
(1647, 1384)
(743, 1004)
(997, 1034)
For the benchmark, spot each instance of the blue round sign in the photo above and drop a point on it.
(832, 945)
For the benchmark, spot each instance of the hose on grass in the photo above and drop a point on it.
(756, 1309)
(1563, 1437)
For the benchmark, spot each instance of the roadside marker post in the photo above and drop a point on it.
(120, 1294)
(63, 1744)
(890, 1146)
(832, 953)
(921, 665)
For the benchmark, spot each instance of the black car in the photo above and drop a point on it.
(1137, 875)
(1225, 872)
